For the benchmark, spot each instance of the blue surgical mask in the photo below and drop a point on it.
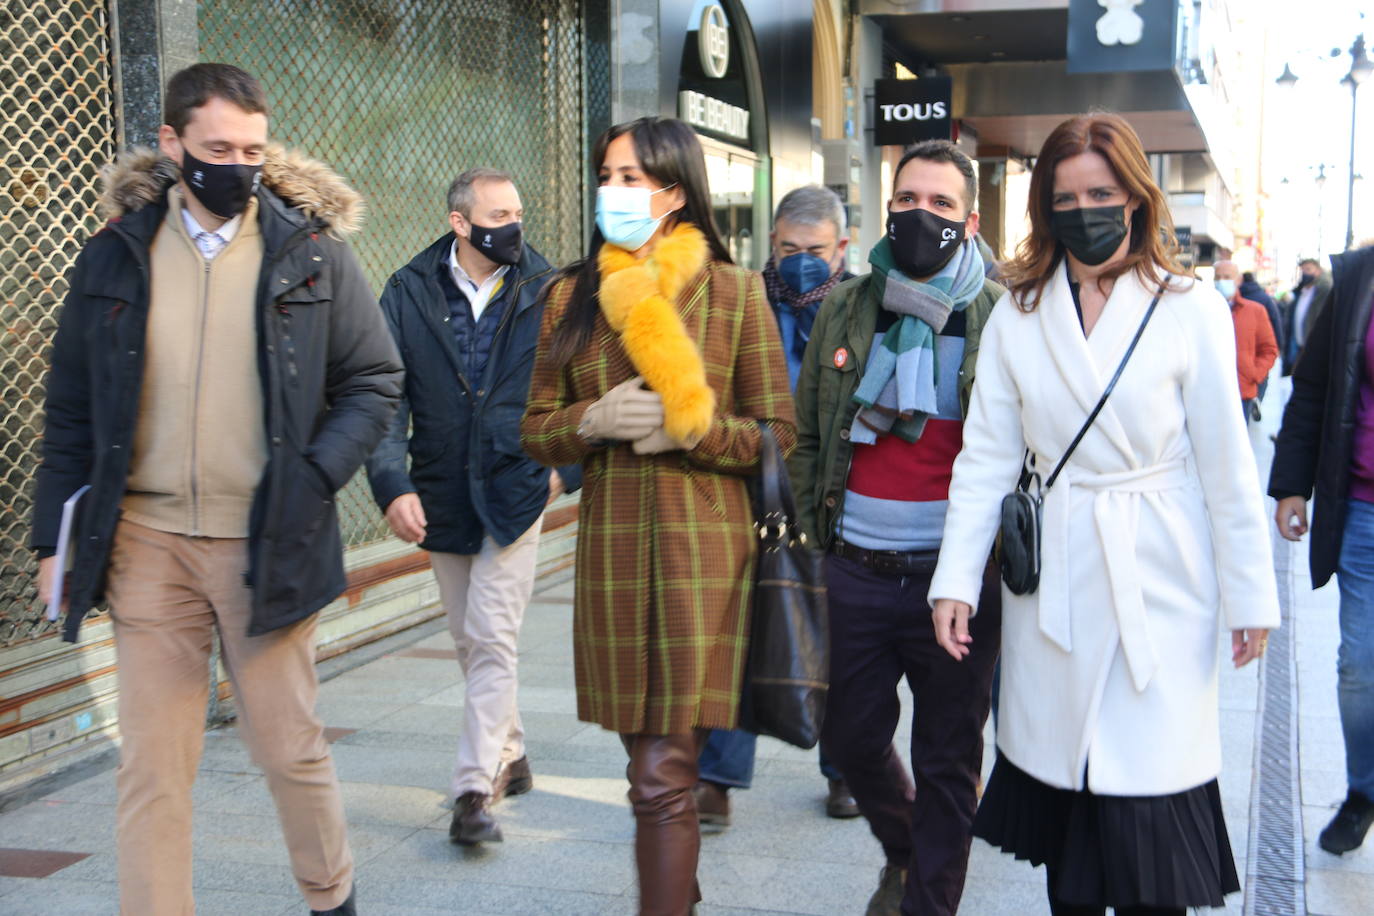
(803, 271)
(1227, 288)
(623, 215)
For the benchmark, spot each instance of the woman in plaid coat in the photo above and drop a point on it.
(658, 359)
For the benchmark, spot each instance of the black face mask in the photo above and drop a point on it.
(224, 190)
(921, 241)
(1091, 234)
(502, 244)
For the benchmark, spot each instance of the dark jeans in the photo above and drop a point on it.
(880, 632)
(728, 759)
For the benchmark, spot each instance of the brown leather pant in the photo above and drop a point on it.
(662, 773)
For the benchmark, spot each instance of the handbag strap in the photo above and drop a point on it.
(1102, 401)
(776, 503)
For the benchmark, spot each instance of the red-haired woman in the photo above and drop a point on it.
(1153, 537)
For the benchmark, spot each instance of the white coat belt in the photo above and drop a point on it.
(1116, 511)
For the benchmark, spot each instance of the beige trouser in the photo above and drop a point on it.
(485, 595)
(168, 593)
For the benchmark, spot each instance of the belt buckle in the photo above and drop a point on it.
(898, 563)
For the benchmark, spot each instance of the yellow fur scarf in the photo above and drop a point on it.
(638, 299)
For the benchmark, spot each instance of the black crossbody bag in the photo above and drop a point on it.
(1018, 538)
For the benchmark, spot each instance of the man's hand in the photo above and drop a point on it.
(47, 573)
(951, 627)
(406, 518)
(1291, 517)
(556, 488)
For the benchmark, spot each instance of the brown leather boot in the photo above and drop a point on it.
(840, 803)
(713, 803)
(662, 773)
(514, 778)
(887, 899)
(472, 821)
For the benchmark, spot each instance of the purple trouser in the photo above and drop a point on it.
(880, 631)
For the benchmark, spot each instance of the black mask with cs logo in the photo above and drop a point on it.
(922, 242)
(1091, 234)
(501, 244)
(224, 190)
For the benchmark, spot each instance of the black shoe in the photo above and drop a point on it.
(1347, 829)
(840, 803)
(887, 899)
(514, 778)
(472, 821)
(347, 908)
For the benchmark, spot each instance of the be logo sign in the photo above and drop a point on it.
(947, 235)
(907, 111)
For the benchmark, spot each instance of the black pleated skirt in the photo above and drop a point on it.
(1112, 850)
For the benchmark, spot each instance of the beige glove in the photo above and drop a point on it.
(659, 441)
(628, 411)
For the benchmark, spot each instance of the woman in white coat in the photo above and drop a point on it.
(1153, 537)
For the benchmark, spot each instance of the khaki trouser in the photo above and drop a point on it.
(485, 595)
(168, 593)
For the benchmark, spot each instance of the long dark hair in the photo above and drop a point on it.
(669, 153)
(1153, 245)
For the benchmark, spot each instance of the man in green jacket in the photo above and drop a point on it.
(881, 399)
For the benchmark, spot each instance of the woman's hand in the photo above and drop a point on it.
(628, 412)
(1247, 645)
(659, 441)
(951, 626)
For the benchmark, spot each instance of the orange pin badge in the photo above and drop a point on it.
(841, 357)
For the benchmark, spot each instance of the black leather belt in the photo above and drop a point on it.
(896, 562)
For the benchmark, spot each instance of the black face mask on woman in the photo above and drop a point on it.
(922, 242)
(224, 190)
(1091, 234)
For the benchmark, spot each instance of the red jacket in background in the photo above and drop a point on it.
(1256, 348)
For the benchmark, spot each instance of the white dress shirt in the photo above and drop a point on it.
(210, 243)
(479, 295)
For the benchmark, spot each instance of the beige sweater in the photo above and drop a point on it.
(200, 445)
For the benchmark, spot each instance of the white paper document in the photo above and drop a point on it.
(63, 555)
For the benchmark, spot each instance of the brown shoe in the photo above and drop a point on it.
(472, 821)
(840, 803)
(887, 899)
(713, 803)
(514, 778)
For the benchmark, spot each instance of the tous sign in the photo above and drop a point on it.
(915, 111)
(905, 111)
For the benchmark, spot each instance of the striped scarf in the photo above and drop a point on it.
(898, 387)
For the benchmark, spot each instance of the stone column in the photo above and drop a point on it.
(152, 39)
(634, 60)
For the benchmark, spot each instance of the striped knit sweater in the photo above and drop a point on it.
(898, 491)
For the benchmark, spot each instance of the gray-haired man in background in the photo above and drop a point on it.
(809, 241)
(465, 313)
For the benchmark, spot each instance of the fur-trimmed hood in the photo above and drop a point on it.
(142, 176)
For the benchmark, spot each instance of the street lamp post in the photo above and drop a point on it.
(1360, 69)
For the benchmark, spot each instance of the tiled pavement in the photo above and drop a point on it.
(393, 721)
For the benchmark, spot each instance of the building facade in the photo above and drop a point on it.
(398, 97)
(1017, 68)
